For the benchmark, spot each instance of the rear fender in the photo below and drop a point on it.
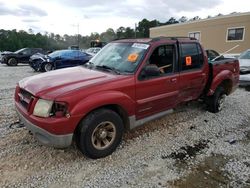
(218, 79)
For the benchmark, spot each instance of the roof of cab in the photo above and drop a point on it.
(152, 40)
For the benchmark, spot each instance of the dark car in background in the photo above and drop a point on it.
(59, 59)
(211, 54)
(36, 60)
(20, 56)
(93, 51)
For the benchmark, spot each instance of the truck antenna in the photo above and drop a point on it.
(225, 52)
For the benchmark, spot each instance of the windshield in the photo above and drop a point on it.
(121, 57)
(245, 55)
(55, 54)
(18, 51)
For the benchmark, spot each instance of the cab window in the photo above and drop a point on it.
(191, 56)
(26, 52)
(163, 57)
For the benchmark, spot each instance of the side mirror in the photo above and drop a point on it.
(150, 71)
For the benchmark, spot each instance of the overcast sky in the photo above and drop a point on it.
(63, 16)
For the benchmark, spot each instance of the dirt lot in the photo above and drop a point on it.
(189, 148)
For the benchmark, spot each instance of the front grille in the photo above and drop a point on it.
(25, 98)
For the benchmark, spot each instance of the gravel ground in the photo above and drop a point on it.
(189, 148)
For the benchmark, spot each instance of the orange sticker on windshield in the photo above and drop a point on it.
(188, 60)
(133, 57)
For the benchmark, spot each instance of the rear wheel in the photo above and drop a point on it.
(217, 100)
(12, 62)
(99, 133)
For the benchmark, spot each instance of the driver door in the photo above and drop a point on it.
(25, 55)
(158, 93)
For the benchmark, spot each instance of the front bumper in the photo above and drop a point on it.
(45, 137)
(245, 80)
(244, 70)
(3, 60)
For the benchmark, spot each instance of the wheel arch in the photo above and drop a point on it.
(11, 57)
(223, 79)
(114, 107)
(227, 85)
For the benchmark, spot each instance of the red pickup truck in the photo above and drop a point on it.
(128, 83)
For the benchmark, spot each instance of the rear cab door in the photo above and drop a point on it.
(158, 93)
(194, 70)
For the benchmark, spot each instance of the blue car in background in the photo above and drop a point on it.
(58, 59)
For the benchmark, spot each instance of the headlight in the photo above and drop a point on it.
(60, 109)
(43, 108)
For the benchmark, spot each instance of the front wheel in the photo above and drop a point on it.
(100, 133)
(217, 100)
(48, 67)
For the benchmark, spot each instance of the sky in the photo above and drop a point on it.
(87, 16)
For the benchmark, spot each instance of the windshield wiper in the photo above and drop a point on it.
(108, 68)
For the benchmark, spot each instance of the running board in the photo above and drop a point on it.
(133, 123)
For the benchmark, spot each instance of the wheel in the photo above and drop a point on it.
(99, 133)
(48, 67)
(217, 100)
(12, 62)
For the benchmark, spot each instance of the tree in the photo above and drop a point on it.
(108, 35)
(129, 33)
(120, 32)
(30, 31)
(183, 19)
(172, 20)
(145, 25)
(195, 18)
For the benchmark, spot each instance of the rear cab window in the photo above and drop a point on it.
(191, 56)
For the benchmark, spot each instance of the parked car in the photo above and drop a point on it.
(36, 61)
(93, 51)
(74, 47)
(128, 83)
(244, 60)
(20, 56)
(245, 80)
(2, 55)
(5, 52)
(211, 54)
(59, 59)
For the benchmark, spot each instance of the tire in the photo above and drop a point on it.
(12, 62)
(216, 101)
(48, 67)
(99, 134)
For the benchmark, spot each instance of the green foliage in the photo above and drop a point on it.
(12, 40)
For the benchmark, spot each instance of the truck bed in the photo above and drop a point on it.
(223, 67)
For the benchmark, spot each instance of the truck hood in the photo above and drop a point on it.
(6, 53)
(56, 83)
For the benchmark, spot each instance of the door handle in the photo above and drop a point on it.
(173, 80)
